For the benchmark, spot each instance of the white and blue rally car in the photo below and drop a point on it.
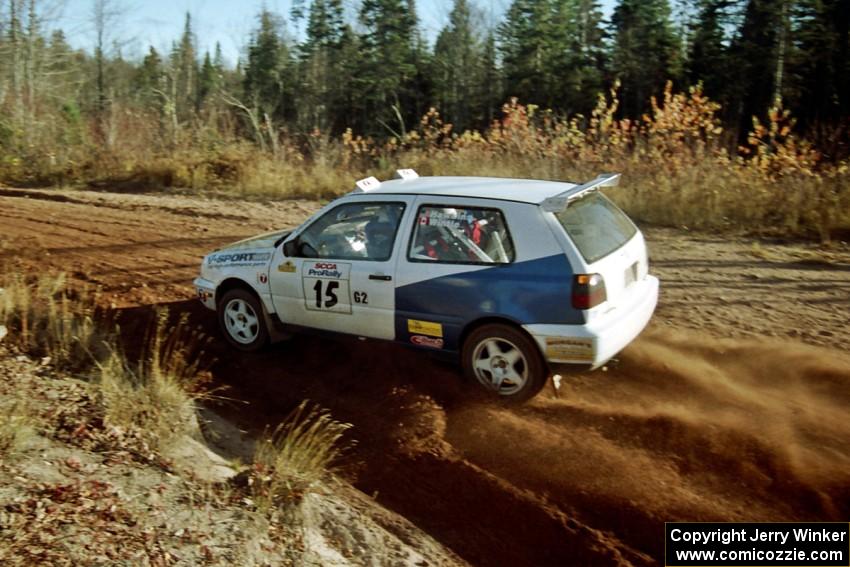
(515, 276)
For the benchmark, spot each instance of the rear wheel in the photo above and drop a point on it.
(240, 317)
(505, 362)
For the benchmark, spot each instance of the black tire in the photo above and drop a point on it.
(516, 373)
(242, 320)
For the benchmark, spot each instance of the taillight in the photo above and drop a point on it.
(588, 291)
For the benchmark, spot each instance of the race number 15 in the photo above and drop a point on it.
(327, 299)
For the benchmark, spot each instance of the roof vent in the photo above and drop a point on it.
(405, 174)
(367, 184)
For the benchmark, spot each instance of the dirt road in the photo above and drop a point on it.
(731, 406)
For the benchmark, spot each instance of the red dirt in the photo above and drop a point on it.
(719, 411)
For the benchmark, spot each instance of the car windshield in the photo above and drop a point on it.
(596, 226)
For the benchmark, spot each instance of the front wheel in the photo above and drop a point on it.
(240, 317)
(505, 362)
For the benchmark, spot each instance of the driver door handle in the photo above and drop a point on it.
(380, 277)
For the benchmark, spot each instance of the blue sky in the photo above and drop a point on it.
(229, 22)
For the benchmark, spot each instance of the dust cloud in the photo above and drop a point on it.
(682, 427)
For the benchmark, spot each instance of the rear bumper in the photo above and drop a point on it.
(205, 290)
(596, 342)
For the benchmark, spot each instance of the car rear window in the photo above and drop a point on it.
(596, 226)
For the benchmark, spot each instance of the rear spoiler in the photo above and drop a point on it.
(560, 201)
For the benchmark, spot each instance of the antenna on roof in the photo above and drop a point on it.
(405, 174)
(367, 184)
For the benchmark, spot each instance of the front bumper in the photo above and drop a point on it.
(597, 342)
(205, 290)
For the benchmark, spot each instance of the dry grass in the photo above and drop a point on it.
(300, 452)
(47, 319)
(155, 397)
(152, 397)
(758, 251)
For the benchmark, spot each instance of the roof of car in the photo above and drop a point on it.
(521, 190)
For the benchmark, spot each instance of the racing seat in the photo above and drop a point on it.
(379, 239)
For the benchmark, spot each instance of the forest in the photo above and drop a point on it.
(729, 112)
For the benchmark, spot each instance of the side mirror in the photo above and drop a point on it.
(297, 249)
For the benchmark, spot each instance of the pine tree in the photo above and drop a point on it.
(754, 58)
(645, 52)
(218, 59)
(523, 42)
(490, 88)
(324, 25)
(554, 52)
(819, 74)
(268, 81)
(708, 60)
(208, 81)
(578, 56)
(345, 91)
(386, 79)
(149, 79)
(186, 71)
(458, 66)
(320, 66)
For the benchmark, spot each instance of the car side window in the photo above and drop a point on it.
(460, 235)
(354, 231)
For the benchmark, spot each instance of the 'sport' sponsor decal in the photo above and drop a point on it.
(421, 340)
(238, 258)
(416, 327)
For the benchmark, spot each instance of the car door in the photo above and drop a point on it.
(460, 265)
(337, 273)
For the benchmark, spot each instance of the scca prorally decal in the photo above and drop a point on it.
(324, 270)
(239, 258)
(422, 340)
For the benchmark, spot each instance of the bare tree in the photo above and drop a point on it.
(105, 16)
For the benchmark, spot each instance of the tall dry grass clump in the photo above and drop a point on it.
(46, 318)
(300, 452)
(154, 398)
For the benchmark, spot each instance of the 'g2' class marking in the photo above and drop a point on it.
(361, 297)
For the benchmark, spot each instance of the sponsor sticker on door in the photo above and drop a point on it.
(287, 267)
(325, 269)
(417, 327)
(422, 340)
(326, 286)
